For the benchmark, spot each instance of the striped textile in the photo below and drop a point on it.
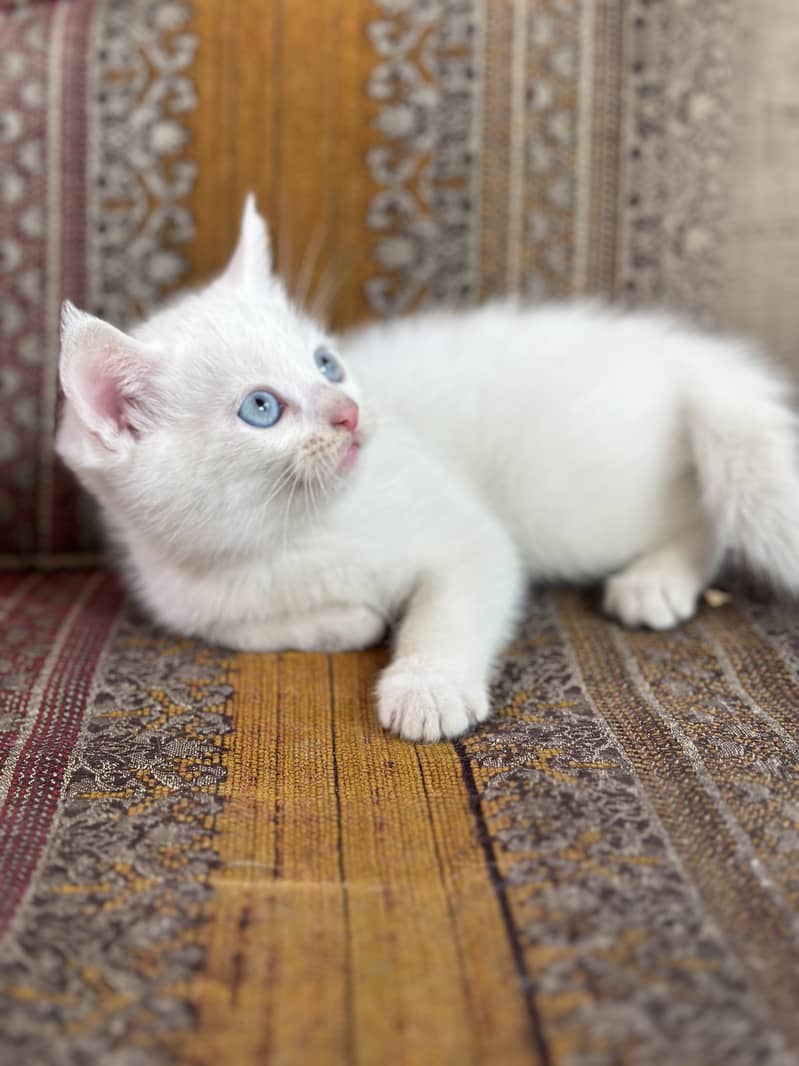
(408, 154)
(212, 858)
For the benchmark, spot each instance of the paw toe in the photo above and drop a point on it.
(418, 702)
(654, 602)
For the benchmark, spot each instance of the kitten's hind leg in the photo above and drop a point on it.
(660, 588)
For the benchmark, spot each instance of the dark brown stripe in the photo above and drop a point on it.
(526, 983)
(342, 873)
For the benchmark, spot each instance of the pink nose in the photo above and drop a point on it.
(345, 413)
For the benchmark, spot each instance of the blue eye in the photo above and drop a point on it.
(261, 409)
(329, 365)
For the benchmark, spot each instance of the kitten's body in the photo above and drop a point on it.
(564, 419)
(500, 445)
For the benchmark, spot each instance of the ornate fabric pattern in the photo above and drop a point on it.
(435, 151)
(137, 171)
(207, 857)
(427, 90)
(92, 101)
(675, 146)
(106, 813)
(644, 794)
(24, 36)
(211, 857)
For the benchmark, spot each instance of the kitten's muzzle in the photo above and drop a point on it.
(346, 417)
(343, 412)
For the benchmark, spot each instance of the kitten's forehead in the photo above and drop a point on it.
(242, 336)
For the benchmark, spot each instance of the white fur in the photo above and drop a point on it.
(499, 445)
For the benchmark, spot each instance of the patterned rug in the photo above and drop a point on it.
(210, 858)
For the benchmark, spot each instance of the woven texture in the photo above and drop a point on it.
(209, 858)
(411, 153)
(223, 859)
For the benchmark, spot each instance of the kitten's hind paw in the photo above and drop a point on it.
(656, 601)
(420, 700)
(660, 589)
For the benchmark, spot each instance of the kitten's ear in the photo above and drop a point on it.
(251, 264)
(107, 377)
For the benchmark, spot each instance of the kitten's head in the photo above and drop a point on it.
(218, 422)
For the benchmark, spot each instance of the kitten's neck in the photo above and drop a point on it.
(192, 561)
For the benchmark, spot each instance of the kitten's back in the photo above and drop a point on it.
(544, 409)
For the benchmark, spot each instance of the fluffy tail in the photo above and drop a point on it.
(745, 445)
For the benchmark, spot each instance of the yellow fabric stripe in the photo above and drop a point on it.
(229, 993)
(283, 111)
(353, 918)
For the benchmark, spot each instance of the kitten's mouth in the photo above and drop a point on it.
(350, 456)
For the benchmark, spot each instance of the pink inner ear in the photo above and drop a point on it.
(105, 374)
(105, 398)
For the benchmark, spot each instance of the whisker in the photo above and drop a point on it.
(307, 268)
(310, 512)
(281, 484)
(317, 483)
(284, 259)
(330, 285)
(332, 282)
(294, 484)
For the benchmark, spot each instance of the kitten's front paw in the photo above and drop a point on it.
(420, 700)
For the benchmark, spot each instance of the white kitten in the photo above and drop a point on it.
(266, 497)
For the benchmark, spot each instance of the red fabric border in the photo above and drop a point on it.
(37, 784)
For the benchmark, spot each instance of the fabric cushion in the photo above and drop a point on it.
(420, 153)
(212, 858)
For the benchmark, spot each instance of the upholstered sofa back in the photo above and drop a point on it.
(413, 153)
